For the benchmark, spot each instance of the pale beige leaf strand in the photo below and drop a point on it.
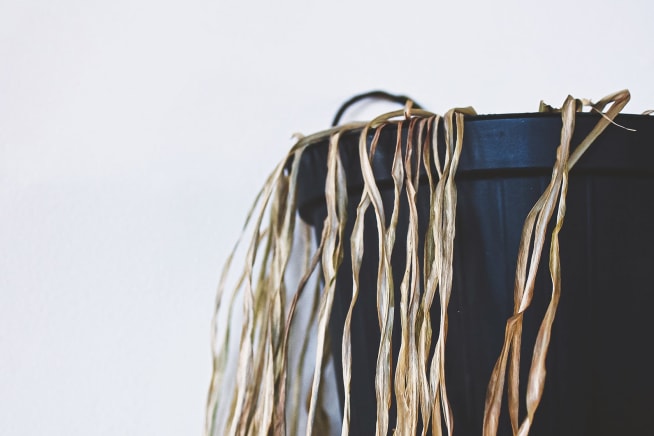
(280, 329)
(357, 249)
(296, 404)
(335, 196)
(258, 404)
(220, 352)
(403, 391)
(543, 209)
(445, 281)
(436, 209)
(536, 380)
(289, 406)
(618, 101)
(281, 255)
(429, 274)
(386, 299)
(282, 381)
(384, 290)
(413, 159)
(523, 293)
(259, 397)
(259, 401)
(445, 214)
(245, 360)
(537, 373)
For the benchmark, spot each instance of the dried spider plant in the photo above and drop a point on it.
(283, 335)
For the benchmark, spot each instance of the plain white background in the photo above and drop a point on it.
(134, 135)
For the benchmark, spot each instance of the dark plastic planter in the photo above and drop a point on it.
(600, 378)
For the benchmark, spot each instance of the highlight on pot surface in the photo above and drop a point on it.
(464, 273)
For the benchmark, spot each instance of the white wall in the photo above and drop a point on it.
(134, 135)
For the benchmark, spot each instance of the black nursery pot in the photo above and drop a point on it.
(600, 370)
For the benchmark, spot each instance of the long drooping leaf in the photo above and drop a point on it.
(269, 363)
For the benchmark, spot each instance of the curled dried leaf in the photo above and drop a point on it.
(269, 364)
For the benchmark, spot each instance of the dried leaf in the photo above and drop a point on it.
(258, 402)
